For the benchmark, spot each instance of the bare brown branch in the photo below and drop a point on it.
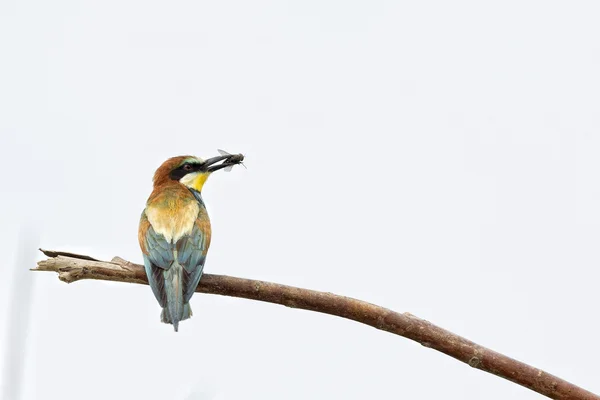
(74, 267)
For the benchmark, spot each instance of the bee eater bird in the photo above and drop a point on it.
(174, 232)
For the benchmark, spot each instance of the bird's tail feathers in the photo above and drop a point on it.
(175, 310)
(165, 317)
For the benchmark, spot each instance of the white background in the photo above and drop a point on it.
(435, 157)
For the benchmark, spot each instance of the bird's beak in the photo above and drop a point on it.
(211, 165)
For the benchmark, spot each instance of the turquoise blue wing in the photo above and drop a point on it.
(159, 251)
(191, 255)
(156, 281)
(158, 258)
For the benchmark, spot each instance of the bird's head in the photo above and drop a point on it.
(192, 171)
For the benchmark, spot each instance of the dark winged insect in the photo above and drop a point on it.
(232, 159)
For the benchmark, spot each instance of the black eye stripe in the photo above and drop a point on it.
(181, 171)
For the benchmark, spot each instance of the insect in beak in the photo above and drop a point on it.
(231, 160)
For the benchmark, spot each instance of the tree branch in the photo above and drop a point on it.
(74, 267)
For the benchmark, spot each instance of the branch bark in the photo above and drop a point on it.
(73, 267)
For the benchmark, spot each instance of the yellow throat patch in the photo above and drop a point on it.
(195, 180)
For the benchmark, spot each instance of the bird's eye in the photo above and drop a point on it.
(187, 167)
